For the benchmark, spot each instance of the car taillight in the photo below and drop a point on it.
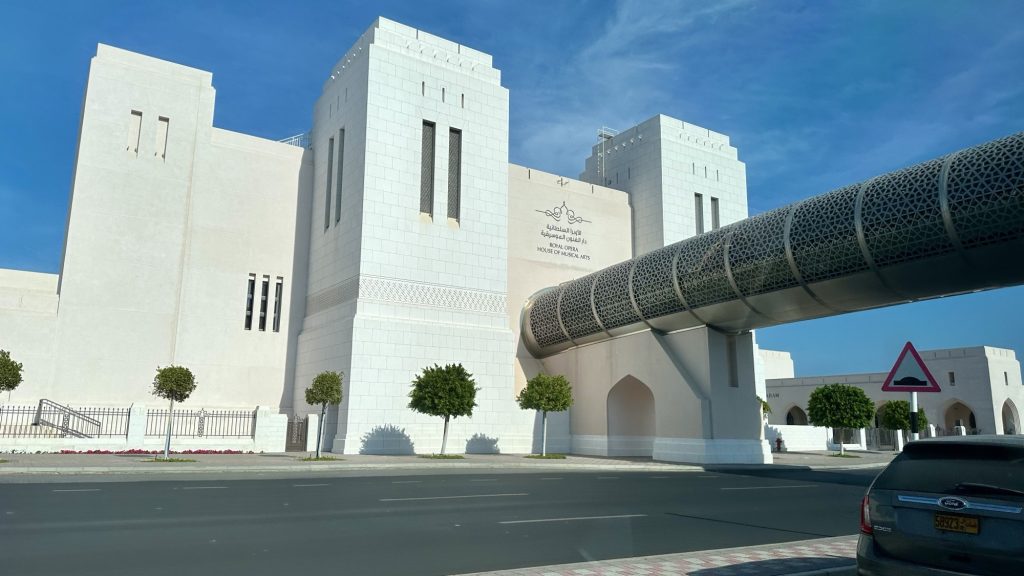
(865, 516)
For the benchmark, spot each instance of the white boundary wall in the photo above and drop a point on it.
(271, 430)
(809, 438)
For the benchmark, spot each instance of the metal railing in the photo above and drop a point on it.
(52, 420)
(300, 140)
(202, 423)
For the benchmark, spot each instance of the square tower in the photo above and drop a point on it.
(408, 246)
(682, 179)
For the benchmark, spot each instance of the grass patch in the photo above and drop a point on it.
(443, 456)
(168, 460)
(546, 456)
(2, 461)
(845, 456)
(321, 459)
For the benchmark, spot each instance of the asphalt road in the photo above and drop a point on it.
(427, 524)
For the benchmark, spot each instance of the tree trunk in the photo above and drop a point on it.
(544, 433)
(444, 440)
(320, 428)
(167, 440)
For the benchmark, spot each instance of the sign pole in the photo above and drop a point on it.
(913, 416)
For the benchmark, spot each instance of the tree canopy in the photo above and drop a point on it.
(325, 389)
(840, 406)
(447, 391)
(547, 393)
(174, 383)
(896, 416)
(10, 372)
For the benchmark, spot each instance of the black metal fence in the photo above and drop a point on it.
(202, 423)
(52, 420)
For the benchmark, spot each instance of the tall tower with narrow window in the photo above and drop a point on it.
(682, 179)
(408, 246)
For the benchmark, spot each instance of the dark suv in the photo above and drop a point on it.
(946, 507)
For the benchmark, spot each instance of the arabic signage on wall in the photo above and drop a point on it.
(564, 235)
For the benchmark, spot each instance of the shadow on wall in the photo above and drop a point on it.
(482, 444)
(387, 439)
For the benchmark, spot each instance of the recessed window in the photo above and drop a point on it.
(427, 169)
(454, 173)
(442, 94)
(341, 172)
(698, 212)
(423, 88)
(249, 301)
(330, 179)
(134, 131)
(278, 293)
(263, 303)
(463, 100)
(715, 222)
(162, 126)
(1006, 378)
(952, 379)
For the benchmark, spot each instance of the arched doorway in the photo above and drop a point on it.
(796, 417)
(1011, 418)
(959, 414)
(630, 419)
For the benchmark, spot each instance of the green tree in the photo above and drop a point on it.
(174, 383)
(766, 408)
(896, 416)
(840, 406)
(548, 394)
(325, 389)
(10, 372)
(448, 391)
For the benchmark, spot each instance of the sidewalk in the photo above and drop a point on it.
(292, 462)
(819, 557)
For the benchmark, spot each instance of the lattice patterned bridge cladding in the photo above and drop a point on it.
(946, 226)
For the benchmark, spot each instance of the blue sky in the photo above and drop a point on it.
(814, 95)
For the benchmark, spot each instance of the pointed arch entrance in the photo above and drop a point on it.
(1011, 418)
(631, 427)
(959, 414)
(796, 417)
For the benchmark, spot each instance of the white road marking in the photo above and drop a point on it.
(454, 497)
(203, 487)
(771, 487)
(573, 518)
(552, 478)
(406, 481)
(307, 485)
(483, 479)
(79, 490)
(607, 477)
(660, 477)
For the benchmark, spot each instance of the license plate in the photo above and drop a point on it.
(962, 524)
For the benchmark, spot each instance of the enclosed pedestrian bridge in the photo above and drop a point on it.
(947, 226)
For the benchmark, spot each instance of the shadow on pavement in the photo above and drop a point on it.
(803, 473)
(776, 566)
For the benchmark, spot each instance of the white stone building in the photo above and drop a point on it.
(981, 389)
(395, 235)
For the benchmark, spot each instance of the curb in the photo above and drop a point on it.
(675, 469)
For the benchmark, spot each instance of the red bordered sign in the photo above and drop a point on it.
(910, 374)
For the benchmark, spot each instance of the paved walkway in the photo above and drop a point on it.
(292, 462)
(821, 557)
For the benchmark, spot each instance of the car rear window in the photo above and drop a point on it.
(938, 467)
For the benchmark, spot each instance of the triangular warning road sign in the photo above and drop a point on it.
(910, 374)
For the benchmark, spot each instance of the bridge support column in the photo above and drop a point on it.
(688, 396)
